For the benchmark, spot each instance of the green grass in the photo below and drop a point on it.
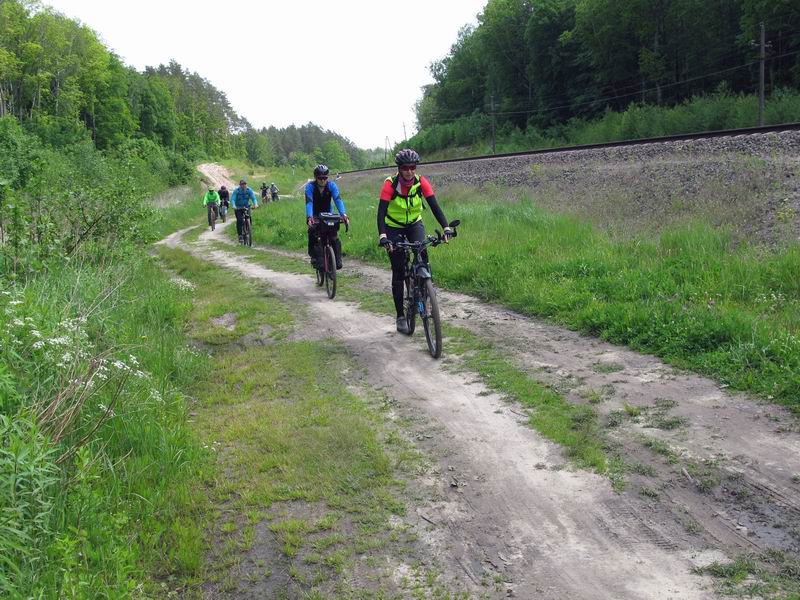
(690, 294)
(250, 305)
(187, 209)
(99, 490)
(768, 574)
(293, 444)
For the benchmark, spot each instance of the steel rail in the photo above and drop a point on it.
(652, 140)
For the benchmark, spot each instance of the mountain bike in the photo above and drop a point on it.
(419, 297)
(327, 227)
(247, 228)
(223, 212)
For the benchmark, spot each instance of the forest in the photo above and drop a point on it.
(543, 65)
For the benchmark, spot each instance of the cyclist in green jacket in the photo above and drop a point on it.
(211, 202)
(400, 208)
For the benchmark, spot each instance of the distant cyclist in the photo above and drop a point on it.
(400, 215)
(224, 202)
(211, 202)
(321, 194)
(241, 199)
(264, 193)
(273, 190)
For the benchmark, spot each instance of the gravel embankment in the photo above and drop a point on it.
(750, 183)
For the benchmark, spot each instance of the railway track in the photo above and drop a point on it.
(637, 142)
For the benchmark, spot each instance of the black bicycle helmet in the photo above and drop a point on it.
(320, 170)
(406, 156)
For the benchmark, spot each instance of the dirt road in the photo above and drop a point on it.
(501, 501)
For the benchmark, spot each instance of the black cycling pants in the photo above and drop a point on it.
(313, 239)
(240, 213)
(412, 233)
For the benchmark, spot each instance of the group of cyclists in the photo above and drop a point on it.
(269, 192)
(401, 202)
(243, 197)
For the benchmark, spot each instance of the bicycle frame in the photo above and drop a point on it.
(327, 227)
(420, 294)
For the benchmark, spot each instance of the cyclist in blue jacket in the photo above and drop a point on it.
(241, 198)
(321, 194)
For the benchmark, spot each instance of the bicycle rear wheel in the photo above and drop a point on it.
(409, 306)
(430, 319)
(330, 271)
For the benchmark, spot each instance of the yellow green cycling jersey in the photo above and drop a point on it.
(404, 210)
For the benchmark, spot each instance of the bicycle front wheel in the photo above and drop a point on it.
(410, 306)
(248, 235)
(330, 271)
(430, 319)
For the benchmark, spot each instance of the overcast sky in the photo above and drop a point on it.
(355, 67)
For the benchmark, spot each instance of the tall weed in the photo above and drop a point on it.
(94, 362)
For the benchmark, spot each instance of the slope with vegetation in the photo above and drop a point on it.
(98, 466)
(554, 72)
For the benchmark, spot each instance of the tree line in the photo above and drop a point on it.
(305, 146)
(64, 86)
(541, 63)
(79, 128)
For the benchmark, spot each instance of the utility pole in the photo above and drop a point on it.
(762, 57)
(385, 149)
(405, 137)
(494, 141)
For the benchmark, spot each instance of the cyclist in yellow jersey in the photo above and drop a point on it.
(400, 209)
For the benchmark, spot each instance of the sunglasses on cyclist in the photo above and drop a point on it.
(322, 178)
(408, 168)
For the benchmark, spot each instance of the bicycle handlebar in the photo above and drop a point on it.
(430, 240)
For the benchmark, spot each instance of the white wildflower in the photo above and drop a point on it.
(15, 302)
(104, 408)
(181, 283)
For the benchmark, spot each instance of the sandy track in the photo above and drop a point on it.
(504, 503)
